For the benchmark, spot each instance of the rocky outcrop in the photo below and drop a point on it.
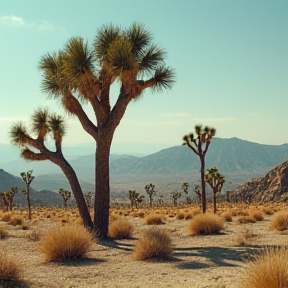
(272, 187)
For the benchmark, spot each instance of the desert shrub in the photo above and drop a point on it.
(257, 215)
(10, 268)
(34, 235)
(246, 219)
(280, 221)
(113, 217)
(268, 269)
(268, 211)
(66, 243)
(246, 237)
(180, 215)
(207, 223)
(3, 232)
(154, 242)
(188, 215)
(16, 220)
(154, 219)
(120, 229)
(227, 216)
(6, 217)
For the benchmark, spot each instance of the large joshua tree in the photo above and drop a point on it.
(199, 146)
(77, 74)
(45, 125)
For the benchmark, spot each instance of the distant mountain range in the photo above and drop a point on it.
(237, 159)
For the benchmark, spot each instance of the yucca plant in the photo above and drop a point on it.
(65, 194)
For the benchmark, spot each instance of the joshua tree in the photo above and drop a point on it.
(27, 178)
(66, 195)
(77, 75)
(150, 190)
(135, 198)
(196, 189)
(185, 187)
(175, 196)
(43, 125)
(216, 181)
(199, 146)
(8, 197)
(89, 199)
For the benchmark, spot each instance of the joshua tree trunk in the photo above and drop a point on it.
(102, 191)
(203, 184)
(214, 203)
(77, 192)
(28, 201)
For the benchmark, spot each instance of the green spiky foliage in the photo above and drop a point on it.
(65, 194)
(216, 182)
(175, 196)
(89, 199)
(199, 144)
(28, 178)
(81, 74)
(135, 198)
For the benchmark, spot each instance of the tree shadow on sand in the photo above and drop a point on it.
(215, 256)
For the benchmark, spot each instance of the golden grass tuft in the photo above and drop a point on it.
(280, 221)
(268, 269)
(247, 237)
(246, 219)
(257, 215)
(6, 217)
(207, 223)
(66, 243)
(120, 229)
(154, 219)
(227, 216)
(10, 268)
(180, 215)
(154, 242)
(3, 232)
(16, 220)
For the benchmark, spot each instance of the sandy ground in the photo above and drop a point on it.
(198, 261)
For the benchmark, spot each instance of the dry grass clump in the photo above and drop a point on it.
(3, 232)
(246, 219)
(207, 223)
(154, 242)
(269, 269)
(227, 216)
(6, 217)
(120, 229)
(154, 219)
(268, 210)
(180, 215)
(246, 237)
(188, 216)
(66, 243)
(34, 235)
(10, 268)
(257, 215)
(280, 221)
(16, 220)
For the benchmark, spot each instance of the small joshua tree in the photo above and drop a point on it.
(135, 198)
(185, 187)
(8, 197)
(216, 181)
(27, 178)
(196, 189)
(66, 195)
(89, 199)
(199, 146)
(175, 196)
(150, 190)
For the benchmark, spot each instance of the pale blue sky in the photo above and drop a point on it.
(230, 58)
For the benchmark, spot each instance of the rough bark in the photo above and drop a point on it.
(203, 184)
(102, 191)
(214, 201)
